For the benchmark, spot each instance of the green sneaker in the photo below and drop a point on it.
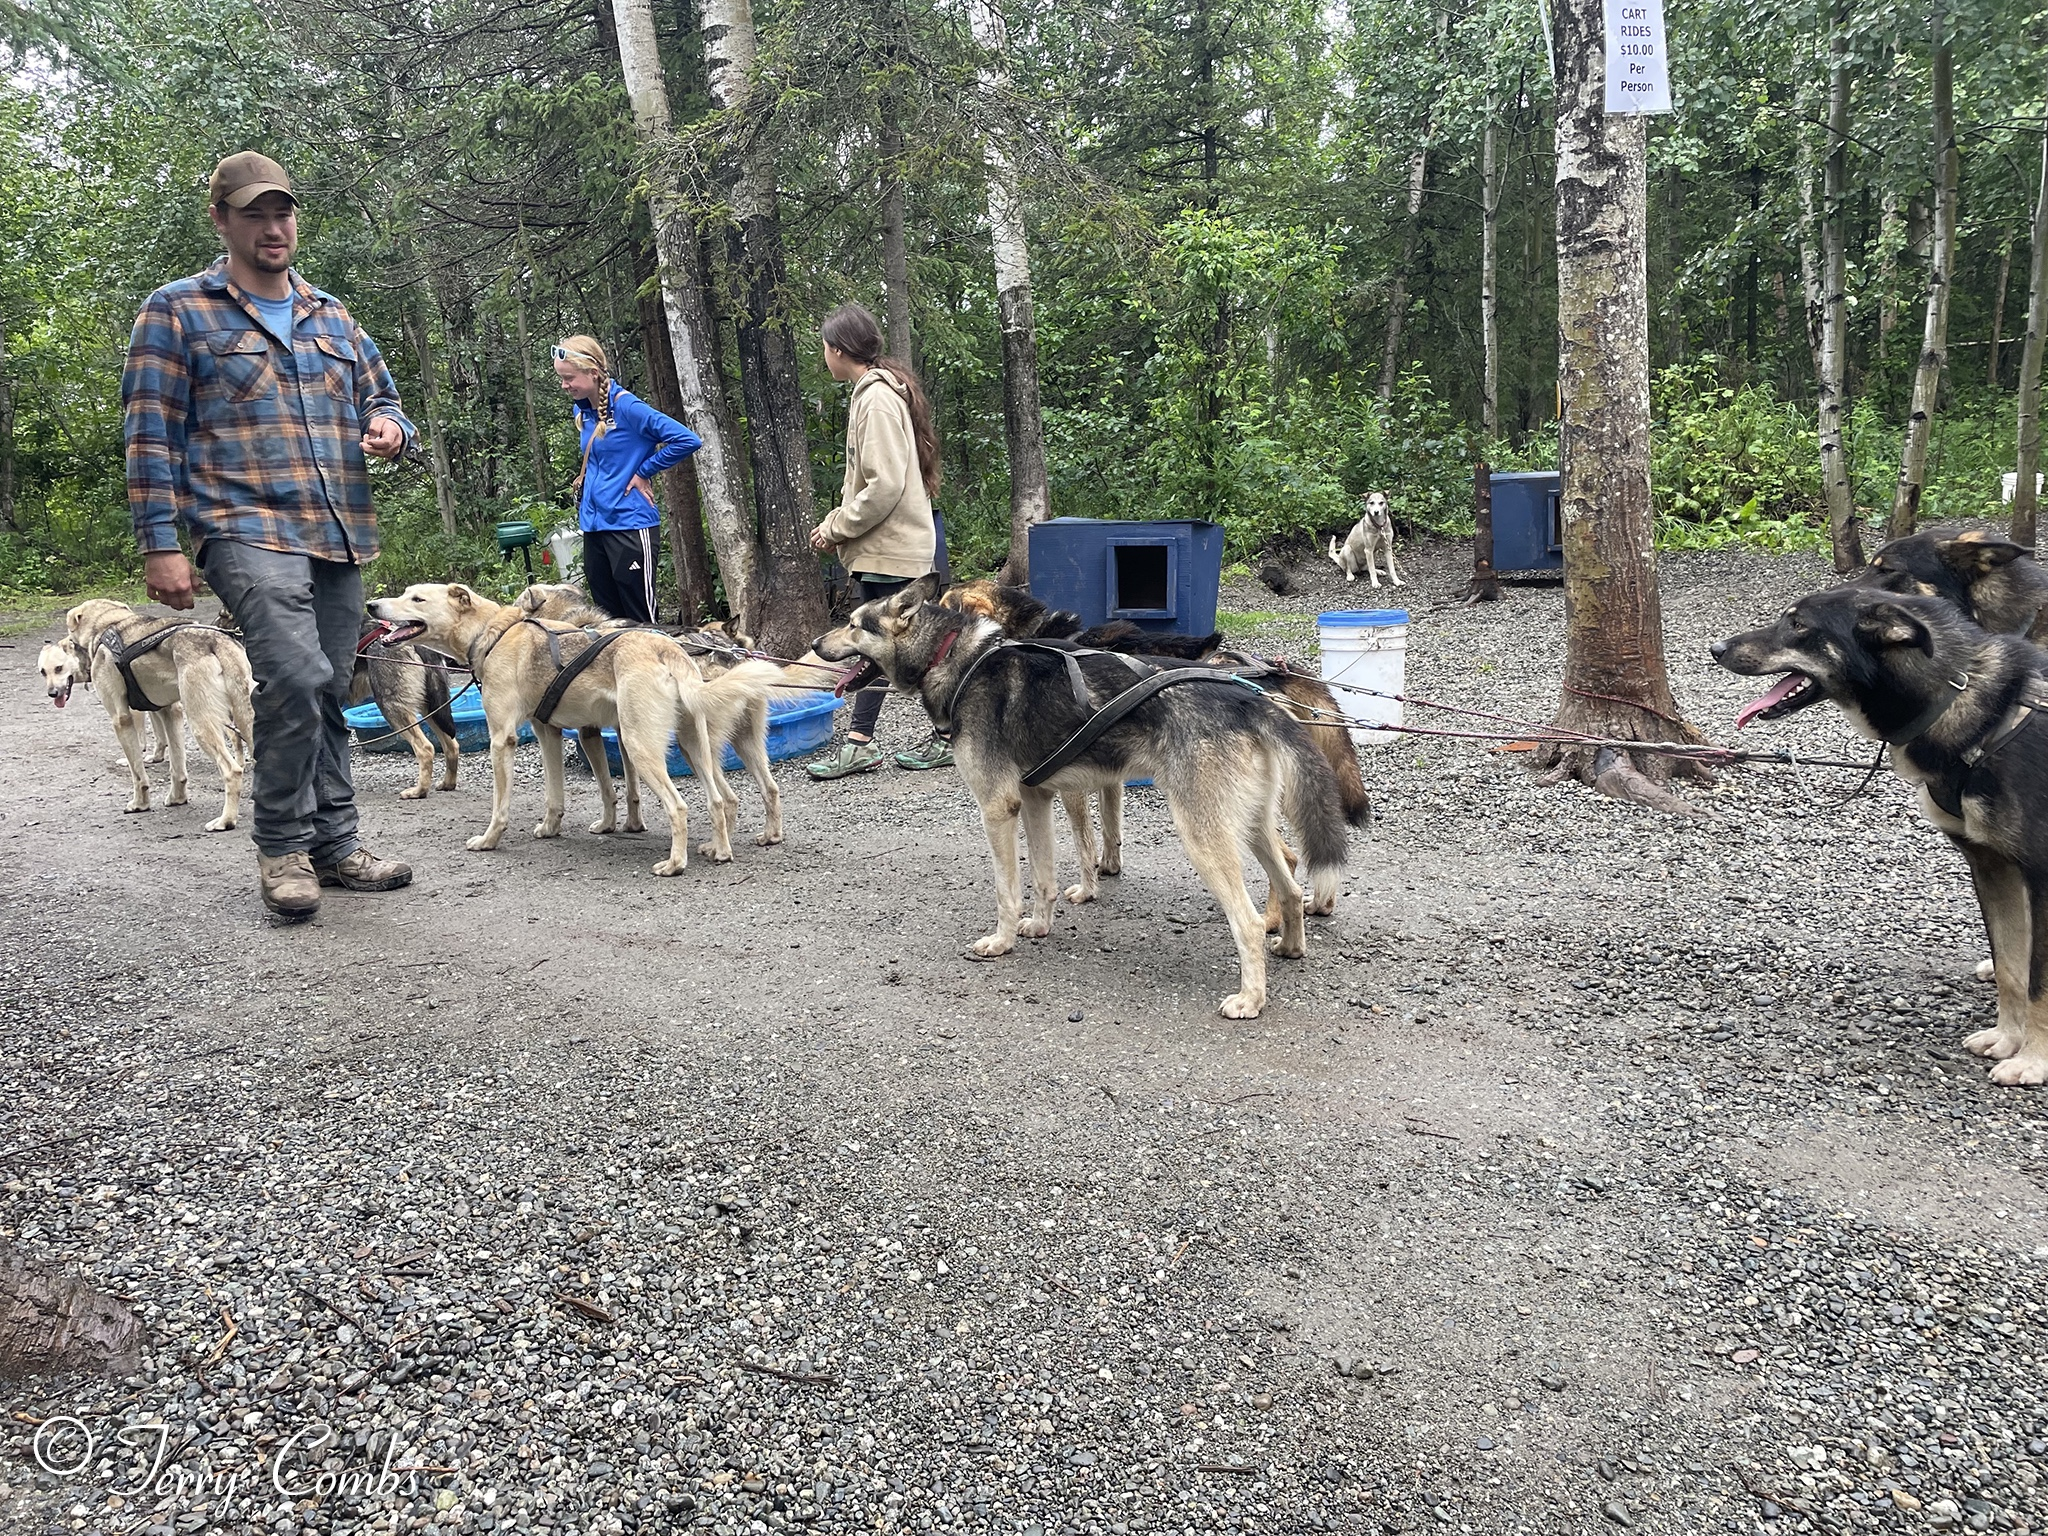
(852, 757)
(937, 752)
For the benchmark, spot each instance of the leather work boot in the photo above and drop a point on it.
(364, 871)
(289, 887)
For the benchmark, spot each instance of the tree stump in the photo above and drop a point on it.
(53, 1322)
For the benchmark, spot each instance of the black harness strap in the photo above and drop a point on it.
(1066, 650)
(1096, 724)
(125, 655)
(1947, 793)
(566, 672)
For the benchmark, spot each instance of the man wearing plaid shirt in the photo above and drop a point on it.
(251, 399)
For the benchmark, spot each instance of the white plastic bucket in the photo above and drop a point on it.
(566, 545)
(1366, 648)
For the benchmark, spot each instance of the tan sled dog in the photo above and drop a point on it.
(738, 720)
(642, 682)
(195, 672)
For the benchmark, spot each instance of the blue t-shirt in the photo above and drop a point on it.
(276, 315)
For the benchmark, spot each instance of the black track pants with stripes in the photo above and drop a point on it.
(618, 566)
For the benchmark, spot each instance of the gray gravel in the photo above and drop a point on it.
(1598, 1169)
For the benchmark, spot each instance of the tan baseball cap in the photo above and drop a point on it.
(242, 178)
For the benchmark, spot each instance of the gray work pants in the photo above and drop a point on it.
(300, 618)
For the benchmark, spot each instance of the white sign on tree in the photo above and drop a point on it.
(1637, 77)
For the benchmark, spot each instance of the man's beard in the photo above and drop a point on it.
(264, 261)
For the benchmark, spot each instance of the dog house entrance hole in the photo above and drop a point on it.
(1144, 578)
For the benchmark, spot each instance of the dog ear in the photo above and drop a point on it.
(1977, 554)
(926, 589)
(1889, 624)
(460, 595)
(532, 600)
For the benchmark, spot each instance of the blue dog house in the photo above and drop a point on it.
(1160, 576)
(1527, 535)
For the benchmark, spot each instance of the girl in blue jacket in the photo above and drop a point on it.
(626, 443)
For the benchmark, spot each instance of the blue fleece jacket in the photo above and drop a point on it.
(640, 441)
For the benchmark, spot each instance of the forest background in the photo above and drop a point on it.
(1254, 232)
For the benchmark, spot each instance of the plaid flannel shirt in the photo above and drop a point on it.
(237, 441)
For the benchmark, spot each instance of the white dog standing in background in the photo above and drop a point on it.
(1373, 536)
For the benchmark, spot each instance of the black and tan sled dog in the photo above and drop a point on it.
(1966, 715)
(1228, 758)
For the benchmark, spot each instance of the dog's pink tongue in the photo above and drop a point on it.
(60, 699)
(1784, 689)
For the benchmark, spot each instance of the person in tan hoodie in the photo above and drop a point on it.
(882, 530)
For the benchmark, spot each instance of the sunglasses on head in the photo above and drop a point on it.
(564, 355)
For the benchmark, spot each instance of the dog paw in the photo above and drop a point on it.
(2026, 1070)
(635, 824)
(415, 793)
(600, 827)
(177, 796)
(221, 824)
(1079, 894)
(1995, 1043)
(712, 852)
(1111, 866)
(1034, 927)
(991, 945)
(483, 842)
(1281, 948)
(671, 866)
(1242, 1005)
(1987, 970)
(547, 829)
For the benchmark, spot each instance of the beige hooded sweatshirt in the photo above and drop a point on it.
(883, 523)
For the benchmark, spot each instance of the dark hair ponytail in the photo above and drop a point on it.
(852, 329)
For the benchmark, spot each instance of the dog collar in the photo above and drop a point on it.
(1923, 722)
(945, 647)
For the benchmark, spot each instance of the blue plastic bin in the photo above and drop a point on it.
(1526, 535)
(795, 726)
(1160, 576)
(472, 731)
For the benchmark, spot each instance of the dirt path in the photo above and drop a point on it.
(1595, 1168)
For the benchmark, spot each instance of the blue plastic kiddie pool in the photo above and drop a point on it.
(795, 727)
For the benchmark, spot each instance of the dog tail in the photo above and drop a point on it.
(750, 681)
(1323, 720)
(1333, 548)
(1315, 809)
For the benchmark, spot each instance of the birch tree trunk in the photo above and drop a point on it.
(1845, 536)
(1397, 312)
(2024, 497)
(1023, 425)
(1489, 297)
(1940, 280)
(6, 438)
(794, 609)
(1998, 311)
(536, 450)
(1615, 683)
(420, 322)
(679, 492)
(693, 338)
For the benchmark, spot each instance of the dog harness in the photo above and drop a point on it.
(1947, 792)
(1149, 681)
(566, 672)
(125, 653)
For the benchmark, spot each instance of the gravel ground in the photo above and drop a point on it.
(1597, 1168)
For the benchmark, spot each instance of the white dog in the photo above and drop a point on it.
(196, 672)
(1373, 536)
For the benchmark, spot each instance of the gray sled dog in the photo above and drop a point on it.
(642, 682)
(193, 671)
(1370, 536)
(1966, 716)
(1227, 758)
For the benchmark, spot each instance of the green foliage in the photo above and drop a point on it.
(1731, 465)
